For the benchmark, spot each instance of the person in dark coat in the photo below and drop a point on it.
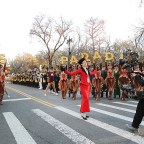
(116, 87)
(104, 87)
(140, 108)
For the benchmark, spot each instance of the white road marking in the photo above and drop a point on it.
(122, 103)
(116, 107)
(135, 138)
(133, 101)
(17, 99)
(19, 132)
(114, 115)
(66, 130)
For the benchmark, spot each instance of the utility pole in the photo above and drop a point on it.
(69, 50)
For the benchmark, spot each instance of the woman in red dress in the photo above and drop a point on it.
(85, 85)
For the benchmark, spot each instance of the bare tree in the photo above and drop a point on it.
(120, 46)
(95, 31)
(108, 44)
(41, 57)
(79, 44)
(23, 62)
(52, 34)
(141, 2)
(139, 38)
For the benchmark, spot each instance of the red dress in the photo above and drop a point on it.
(84, 87)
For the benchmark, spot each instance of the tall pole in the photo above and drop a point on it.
(69, 50)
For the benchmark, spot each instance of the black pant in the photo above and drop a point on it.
(139, 95)
(104, 88)
(139, 114)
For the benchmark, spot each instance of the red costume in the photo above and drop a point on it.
(63, 85)
(97, 82)
(2, 78)
(84, 87)
(123, 80)
(110, 79)
(74, 85)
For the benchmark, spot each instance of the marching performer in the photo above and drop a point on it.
(123, 80)
(110, 79)
(74, 84)
(104, 86)
(51, 81)
(116, 87)
(97, 82)
(2, 90)
(85, 85)
(138, 87)
(63, 85)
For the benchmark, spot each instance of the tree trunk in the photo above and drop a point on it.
(50, 62)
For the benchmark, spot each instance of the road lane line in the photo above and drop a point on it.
(17, 99)
(116, 107)
(123, 133)
(64, 129)
(125, 104)
(33, 98)
(19, 132)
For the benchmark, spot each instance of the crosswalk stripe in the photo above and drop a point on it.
(133, 101)
(114, 115)
(19, 132)
(135, 138)
(125, 104)
(17, 99)
(116, 107)
(67, 131)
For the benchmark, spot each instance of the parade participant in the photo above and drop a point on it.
(30, 79)
(74, 84)
(36, 81)
(137, 86)
(3, 79)
(140, 108)
(85, 85)
(104, 87)
(1, 84)
(40, 77)
(97, 82)
(51, 81)
(63, 84)
(57, 79)
(123, 81)
(44, 78)
(116, 87)
(110, 79)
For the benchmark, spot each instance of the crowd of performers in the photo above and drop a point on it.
(111, 78)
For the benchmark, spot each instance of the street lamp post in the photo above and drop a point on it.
(69, 51)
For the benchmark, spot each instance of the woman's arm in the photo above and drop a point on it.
(73, 73)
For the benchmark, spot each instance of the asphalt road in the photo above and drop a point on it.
(29, 117)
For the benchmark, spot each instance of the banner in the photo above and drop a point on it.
(3, 60)
(108, 57)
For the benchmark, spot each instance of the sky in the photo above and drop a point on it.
(17, 17)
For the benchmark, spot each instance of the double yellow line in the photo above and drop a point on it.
(33, 98)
